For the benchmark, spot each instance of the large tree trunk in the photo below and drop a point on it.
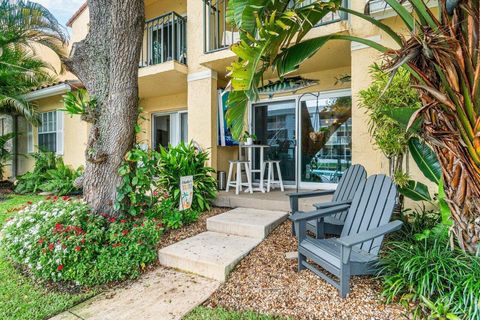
(106, 61)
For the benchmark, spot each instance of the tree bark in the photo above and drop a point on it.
(106, 62)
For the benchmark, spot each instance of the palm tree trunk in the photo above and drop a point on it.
(461, 178)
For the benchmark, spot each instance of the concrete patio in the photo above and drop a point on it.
(274, 200)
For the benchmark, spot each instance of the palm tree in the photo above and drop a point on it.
(24, 26)
(442, 53)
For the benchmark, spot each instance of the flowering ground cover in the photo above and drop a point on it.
(20, 297)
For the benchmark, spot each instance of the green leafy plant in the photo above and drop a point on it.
(185, 160)
(78, 103)
(31, 182)
(246, 135)
(137, 194)
(61, 180)
(63, 241)
(5, 154)
(440, 280)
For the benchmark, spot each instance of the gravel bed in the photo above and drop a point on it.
(268, 283)
(199, 226)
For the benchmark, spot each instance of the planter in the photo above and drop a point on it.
(249, 142)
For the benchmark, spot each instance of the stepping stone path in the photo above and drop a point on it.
(207, 257)
(230, 237)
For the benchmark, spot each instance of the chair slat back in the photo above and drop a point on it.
(372, 207)
(348, 184)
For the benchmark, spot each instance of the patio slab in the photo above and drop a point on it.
(160, 294)
(246, 222)
(210, 254)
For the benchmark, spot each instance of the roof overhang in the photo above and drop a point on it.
(52, 90)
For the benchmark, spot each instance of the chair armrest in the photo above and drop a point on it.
(306, 216)
(310, 194)
(358, 238)
(324, 205)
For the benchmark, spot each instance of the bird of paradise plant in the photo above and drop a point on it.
(441, 52)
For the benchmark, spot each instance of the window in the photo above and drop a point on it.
(169, 129)
(50, 132)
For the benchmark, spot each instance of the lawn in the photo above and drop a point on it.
(20, 297)
(203, 313)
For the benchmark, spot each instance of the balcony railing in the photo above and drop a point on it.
(218, 34)
(164, 40)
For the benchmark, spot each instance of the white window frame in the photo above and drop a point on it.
(175, 126)
(59, 129)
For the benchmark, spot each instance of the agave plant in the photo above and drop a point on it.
(442, 53)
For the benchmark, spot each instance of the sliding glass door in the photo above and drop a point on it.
(325, 137)
(275, 125)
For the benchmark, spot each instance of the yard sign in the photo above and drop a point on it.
(186, 192)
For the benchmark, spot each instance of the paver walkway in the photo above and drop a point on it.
(167, 294)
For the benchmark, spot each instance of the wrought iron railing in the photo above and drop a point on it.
(218, 34)
(164, 39)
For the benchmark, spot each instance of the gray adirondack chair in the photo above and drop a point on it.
(348, 184)
(356, 251)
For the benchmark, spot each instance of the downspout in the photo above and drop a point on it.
(15, 147)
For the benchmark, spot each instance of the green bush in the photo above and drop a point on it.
(62, 240)
(49, 174)
(137, 195)
(444, 282)
(185, 160)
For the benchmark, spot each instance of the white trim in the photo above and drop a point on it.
(359, 46)
(60, 137)
(207, 74)
(48, 92)
(30, 147)
(380, 10)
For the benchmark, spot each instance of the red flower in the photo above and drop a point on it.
(112, 220)
(58, 227)
(66, 198)
(51, 246)
(125, 232)
(48, 198)
(116, 245)
(82, 241)
(123, 221)
(55, 198)
(40, 241)
(135, 225)
(60, 267)
(77, 248)
(29, 202)
(155, 193)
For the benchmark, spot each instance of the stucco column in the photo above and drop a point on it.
(202, 111)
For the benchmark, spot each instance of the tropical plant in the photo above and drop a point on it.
(78, 103)
(5, 153)
(61, 180)
(442, 54)
(24, 26)
(31, 182)
(185, 160)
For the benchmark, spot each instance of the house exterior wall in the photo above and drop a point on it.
(172, 87)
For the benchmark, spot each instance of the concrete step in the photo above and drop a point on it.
(246, 222)
(209, 254)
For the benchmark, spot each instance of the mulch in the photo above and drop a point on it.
(268, 283)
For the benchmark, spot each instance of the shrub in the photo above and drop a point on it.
(185, 160)
(50, 174)
(137, 194)
(442, 281)
(62, 240)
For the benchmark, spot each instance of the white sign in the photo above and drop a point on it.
(186, 192)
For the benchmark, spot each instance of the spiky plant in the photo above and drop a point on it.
(441, 52)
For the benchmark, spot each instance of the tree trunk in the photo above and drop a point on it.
(460, 175)
(106, 62)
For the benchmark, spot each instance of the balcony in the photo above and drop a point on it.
(164, 40)
(163, 69)
(219, 35)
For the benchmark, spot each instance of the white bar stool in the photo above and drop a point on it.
(238, 184)
(271, 164)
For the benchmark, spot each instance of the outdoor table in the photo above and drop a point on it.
(250, 149)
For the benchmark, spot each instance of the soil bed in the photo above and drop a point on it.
(268, 283)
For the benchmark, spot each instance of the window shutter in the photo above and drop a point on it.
(29, 138)
(59, 131)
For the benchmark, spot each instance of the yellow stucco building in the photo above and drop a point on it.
(182, 69)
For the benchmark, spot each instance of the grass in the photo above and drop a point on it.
(20, 297)
(203, 313)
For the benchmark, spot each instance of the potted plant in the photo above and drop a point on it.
(248, 138)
